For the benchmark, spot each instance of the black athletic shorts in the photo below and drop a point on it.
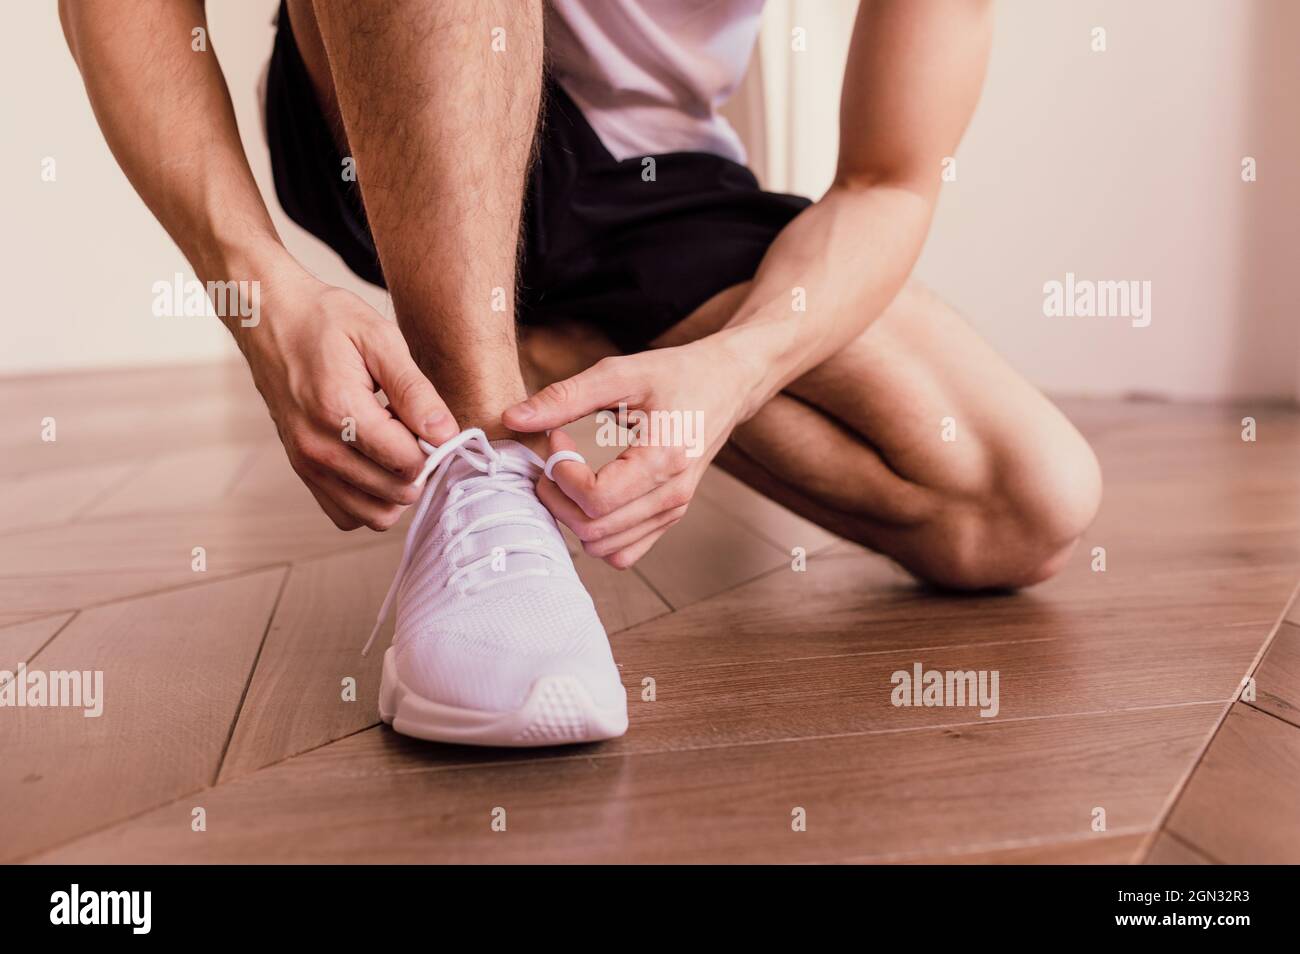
(600, 244)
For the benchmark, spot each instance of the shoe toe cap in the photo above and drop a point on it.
(490, 659)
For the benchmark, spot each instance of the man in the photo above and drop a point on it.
(822, 375)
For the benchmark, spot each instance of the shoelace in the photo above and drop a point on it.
(494, 478)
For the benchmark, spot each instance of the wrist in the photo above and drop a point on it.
(247, 283)
(259, 257)
(758, 360)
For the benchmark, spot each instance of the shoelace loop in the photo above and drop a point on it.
(494, 478)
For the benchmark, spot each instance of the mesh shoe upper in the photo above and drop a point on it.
(487, 597)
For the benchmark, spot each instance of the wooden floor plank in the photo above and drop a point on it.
(1098, 848)
(181, 481)
(296, 699)
(174, 669)
(269, 481)
(622, 598)
(1168, 850)
(804, 698)
(9, 619)
(19, 642)
(1240, 805)
(707, 553)
(372, 797)
(55, 496)
(111, 558)
(1131, 551)
(782, 528)
(850, 601)
(1277, 681)
(121, 389)
(59, 592)
(109, 431)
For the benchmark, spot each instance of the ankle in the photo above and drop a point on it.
(539, 444)
(492, 426)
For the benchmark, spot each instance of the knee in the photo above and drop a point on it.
(1023, 530)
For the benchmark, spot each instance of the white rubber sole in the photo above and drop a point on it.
(558, 711)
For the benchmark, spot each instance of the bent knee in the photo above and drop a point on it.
(1025, 529)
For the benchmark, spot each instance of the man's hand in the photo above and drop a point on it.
(620, 512)
(318, 353)
(318, 356)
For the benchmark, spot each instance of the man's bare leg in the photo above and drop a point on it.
(856, 445)
(441, 128)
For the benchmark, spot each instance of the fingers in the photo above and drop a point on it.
(386, 441)
(411, 395)
(603, 543)
(626, 557)
(358, 460)
(607, 547)
(591, 530)
(349, 507)
(636, 472)
(563, 402)
(364, 474)
(342, 519)
(314, 452)
(571, 475)
(352, 490)
(614, 536)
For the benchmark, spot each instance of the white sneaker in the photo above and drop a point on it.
(497, 641)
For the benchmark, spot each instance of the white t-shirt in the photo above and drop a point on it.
(649, 75)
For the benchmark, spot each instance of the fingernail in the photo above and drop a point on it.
(523, 412)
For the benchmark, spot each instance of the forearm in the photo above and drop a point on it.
(827, 276)
(167, 116)
(913, 77)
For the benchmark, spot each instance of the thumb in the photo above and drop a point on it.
(568, 400)
(411, 396)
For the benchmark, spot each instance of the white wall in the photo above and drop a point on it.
(81, 254)
(1123, 164)
(1116, 165)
